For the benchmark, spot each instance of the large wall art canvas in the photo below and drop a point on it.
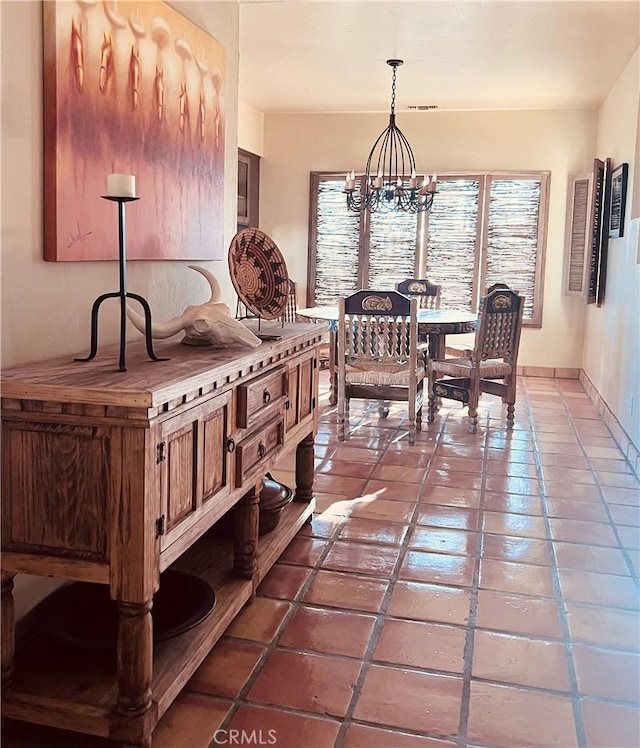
(132, 88)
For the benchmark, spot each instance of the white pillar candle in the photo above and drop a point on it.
(121, 185)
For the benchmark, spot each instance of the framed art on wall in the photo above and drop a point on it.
(132, 88)
(618, 200)
(596, 234)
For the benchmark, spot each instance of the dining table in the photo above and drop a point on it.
(433, 325)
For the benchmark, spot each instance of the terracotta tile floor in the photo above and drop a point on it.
(474, 590)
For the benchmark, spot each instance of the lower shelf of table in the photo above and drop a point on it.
(76, 690)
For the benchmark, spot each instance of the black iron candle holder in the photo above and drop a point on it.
(123, 295)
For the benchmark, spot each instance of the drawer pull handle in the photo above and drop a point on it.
(231, 445)
(266, 397)
(287, 405)
(262, 450)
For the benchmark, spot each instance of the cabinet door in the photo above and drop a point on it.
(301, 392)
(59, 484)
(195, 466)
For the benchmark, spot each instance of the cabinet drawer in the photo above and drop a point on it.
(256, 450)
(260, 395)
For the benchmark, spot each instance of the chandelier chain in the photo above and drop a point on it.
(393, 92)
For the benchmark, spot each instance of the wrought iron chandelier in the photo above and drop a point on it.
(390, 180)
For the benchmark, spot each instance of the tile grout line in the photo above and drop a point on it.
(367, 659)
(392, 581)
(574, 693)
(605, 502)
(296, 604)
(602, 500)
(271, 646)
(465, 706)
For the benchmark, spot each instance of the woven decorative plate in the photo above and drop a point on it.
(259, 273)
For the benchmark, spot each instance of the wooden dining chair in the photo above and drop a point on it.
(491, 367)
(379, 357)
(426, 292)
(464, 347)
(291, 309)
(428, 297)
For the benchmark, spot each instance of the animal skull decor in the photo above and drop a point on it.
(205, 324)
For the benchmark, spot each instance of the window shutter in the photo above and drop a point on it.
(392, 248)
(453, 236)
(578, 236)
(337, 241)
(511, 243)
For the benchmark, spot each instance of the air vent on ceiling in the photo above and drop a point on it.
(422, 107)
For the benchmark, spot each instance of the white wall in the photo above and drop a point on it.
(45, 305)
(562, 141)
(250, 129)
(612, 336)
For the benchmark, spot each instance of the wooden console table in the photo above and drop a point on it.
(111, 477)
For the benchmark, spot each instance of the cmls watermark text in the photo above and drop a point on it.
(245, 737)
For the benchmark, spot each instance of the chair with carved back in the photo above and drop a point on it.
(491, 367)
(428, 296)
(379, 357)
(289, 313)
(463, 345)
(426, 292)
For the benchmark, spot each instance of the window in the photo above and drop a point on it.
(482, 229)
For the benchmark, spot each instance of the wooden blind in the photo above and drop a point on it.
(337, 241)
(482, 229)
(511, 238)
(392, 248)
(452, 230)
(578, 235)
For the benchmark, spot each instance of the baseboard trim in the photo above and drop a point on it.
(628, 448)
(548, 372)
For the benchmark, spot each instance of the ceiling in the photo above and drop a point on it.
(308, 56)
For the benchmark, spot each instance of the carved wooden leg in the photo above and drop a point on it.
(510, 399)
(305, 469)
(474, 396)
(8, 633)
(412, 417)
(135, 657)
(333, 372)
(432, 402)
(245, 534)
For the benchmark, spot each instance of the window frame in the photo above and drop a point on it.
(485, 179)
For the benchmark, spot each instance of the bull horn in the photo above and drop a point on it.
(216, 291)
(158, 330)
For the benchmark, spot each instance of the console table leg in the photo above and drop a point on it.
(245, 534)
(8, 629)
(135, 657)
(305, 469)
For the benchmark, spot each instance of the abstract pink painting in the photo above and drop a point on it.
(132, 88)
